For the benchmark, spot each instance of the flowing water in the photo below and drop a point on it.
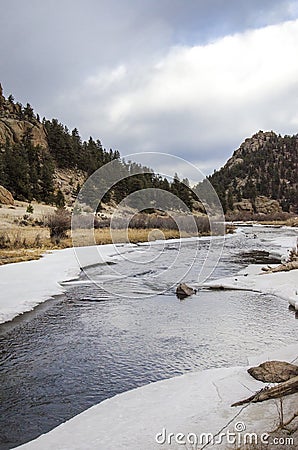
(96, 341)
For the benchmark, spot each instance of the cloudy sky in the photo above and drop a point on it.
(192, 78)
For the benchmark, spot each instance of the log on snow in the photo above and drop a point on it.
(292, 265)
(287, 388)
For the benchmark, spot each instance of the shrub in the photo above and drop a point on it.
(59, 199)
(30, 209)
(89, 221)
(59, 224)
(37, 241)
(186, 223)
(5, 241)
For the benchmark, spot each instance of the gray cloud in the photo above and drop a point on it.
(106, 67)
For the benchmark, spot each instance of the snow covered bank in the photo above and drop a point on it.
(281, 284)
(24, 285)
(252, 278)
(171, 413)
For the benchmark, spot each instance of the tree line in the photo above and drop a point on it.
(28, 171)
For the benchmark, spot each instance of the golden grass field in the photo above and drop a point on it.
(23, 239)
(27, 243)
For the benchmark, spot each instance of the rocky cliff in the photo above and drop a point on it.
(261, 176)
(6, 197)
(17, 121)
(16, 124)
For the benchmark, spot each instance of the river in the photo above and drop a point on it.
(92, 343)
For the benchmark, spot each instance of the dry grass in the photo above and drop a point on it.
(24, 236)
(28, 243)
(292, 222)
(132, 235)
(14, 256)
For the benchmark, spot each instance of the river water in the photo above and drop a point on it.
(96, 341)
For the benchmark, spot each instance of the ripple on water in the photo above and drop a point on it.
(90, 344)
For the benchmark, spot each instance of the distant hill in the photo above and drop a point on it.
(261, 177)
(44, 161)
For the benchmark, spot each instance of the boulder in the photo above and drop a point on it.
(274, 371)
(265, 205)
(183, 291)
(6, 197)
(244, 206)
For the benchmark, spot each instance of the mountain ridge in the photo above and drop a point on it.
(43, 160)
(263, 169)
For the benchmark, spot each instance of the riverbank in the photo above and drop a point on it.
(25, 237)
(27, 284)
(182, 412)
(196, 403)
(253, 278)
(25, 234)
(32, 243)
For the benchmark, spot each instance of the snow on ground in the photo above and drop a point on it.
(252, 278)
(281, 284)
(24, 285)
(170, 414)
(188, 406)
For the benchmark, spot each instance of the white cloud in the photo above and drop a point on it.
(105, 79)
(198, 101)
(293, 8)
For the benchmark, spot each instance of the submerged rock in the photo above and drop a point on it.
(183, 291)
(274, 371)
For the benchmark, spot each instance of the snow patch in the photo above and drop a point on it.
(195, 403)
(24, 285)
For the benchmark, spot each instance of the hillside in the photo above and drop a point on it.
(42, 160)
(261, 176)
(45, 162)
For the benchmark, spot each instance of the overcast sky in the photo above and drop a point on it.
(192, 78)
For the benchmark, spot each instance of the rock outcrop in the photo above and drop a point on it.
(262, 205)
(261, 176)
(16, 121)
(13, 130)
(244, 205)
(69, 181)
(265, 205)
(6, 197)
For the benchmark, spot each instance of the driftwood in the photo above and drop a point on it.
(286, 388)
(286, 267)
